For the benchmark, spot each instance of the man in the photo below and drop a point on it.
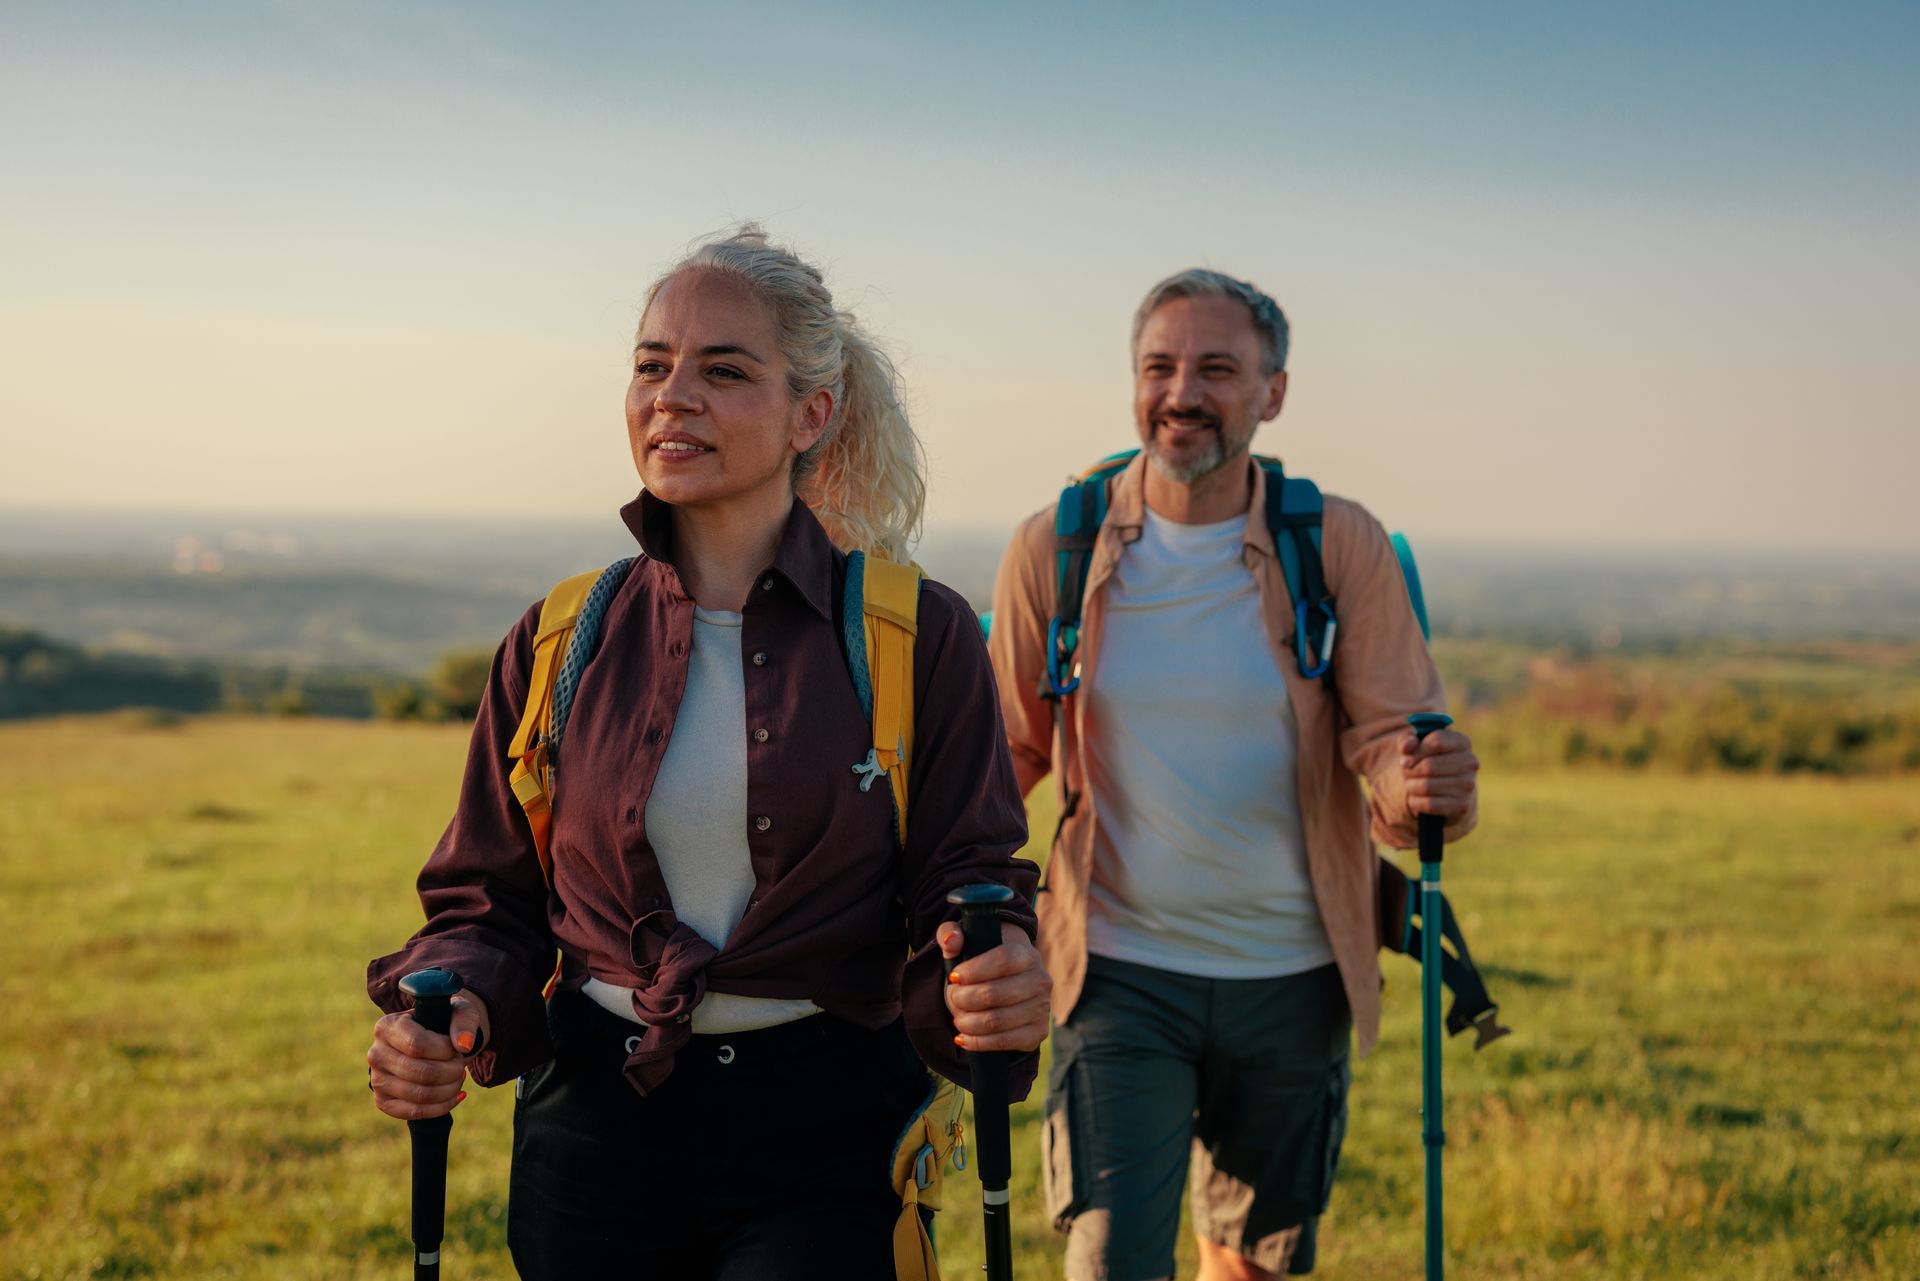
(1209, 910)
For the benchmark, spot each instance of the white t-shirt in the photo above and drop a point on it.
(1199, 866)
(697, 823)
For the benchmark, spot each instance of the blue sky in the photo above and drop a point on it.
(1641, 273)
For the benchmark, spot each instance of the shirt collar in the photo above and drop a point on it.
(806, 558)
(1127, 504)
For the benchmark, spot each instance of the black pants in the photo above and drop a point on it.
(764, 1157)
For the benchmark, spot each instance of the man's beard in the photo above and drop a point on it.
(1196, 462)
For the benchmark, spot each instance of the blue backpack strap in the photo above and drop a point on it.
(853, 630)
(1294, 518)
(1076, 527)
(1410, 575)
(581, 646)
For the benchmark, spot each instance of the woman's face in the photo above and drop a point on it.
(709, 416)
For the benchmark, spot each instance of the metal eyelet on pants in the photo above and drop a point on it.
(725, 1055)
(633, 1045)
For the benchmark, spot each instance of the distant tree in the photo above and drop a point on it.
(290, 701)
(459, 681)
(404, 701)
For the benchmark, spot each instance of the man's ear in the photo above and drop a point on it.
(1276, 394)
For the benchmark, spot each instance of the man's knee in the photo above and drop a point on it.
(1217, 1263)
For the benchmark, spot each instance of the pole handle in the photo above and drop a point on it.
(1432, 827)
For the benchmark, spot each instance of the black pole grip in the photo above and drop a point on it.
(1432, 827)
(432, 992)
(992, 1138)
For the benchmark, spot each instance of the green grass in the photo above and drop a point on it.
(1711, 980)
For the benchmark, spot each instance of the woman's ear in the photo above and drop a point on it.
(811, 419)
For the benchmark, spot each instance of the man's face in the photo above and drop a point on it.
(1199, 387)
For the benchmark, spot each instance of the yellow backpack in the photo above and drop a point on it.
(879, 618)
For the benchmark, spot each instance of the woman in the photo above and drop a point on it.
(751, 967)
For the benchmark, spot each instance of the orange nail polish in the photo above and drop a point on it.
(954, 977)
(959, 1039)
(465, 1043)
(460, 1097)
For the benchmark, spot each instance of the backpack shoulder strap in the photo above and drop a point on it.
(1077, 518)
(568, 633)
(1295, 514)
(880, 616)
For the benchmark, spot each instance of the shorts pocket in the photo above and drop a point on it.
(1334, 1130)
(1061, 1160)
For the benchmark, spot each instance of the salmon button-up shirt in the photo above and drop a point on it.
(1349, 728)
(839, 915)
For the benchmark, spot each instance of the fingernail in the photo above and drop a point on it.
(954, 977)
(960, 1039)
(465, 1042)
(460, 1098)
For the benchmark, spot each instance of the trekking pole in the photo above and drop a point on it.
(432, 992)
(993, 1143)
(1433, 841)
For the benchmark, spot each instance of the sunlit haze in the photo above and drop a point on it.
(1635, 273)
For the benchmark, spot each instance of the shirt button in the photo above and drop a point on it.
(760, 658)
(760, 736)
(762, 823)
(766, 584)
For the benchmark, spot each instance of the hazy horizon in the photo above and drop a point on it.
(57, 530)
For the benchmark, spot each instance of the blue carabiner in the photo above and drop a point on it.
(1322, 661)
(1055, 655)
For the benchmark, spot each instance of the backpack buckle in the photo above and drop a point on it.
(869, 769)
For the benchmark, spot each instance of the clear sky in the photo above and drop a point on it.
(1626, 272)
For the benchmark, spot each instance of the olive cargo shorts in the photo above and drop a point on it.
(1246, 1079)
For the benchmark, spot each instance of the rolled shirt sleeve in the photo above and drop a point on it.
(965, 819)
(1383, 672)
(483, 891)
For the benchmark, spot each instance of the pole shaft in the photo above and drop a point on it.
(1433, 840)
(1433, 1124)
(432, 992)
(992, 1138)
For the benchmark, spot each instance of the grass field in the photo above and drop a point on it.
(1712, 984)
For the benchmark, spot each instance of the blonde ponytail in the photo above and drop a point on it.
(865, 477)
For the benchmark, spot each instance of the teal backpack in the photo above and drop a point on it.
(1295, 514)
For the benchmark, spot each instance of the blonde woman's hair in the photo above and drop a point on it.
(865, 477)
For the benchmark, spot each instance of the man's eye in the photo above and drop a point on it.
(1218, 371)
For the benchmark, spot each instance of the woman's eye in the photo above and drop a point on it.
(725, 371)
(648, 368)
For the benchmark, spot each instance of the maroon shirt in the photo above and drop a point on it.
(839, 915)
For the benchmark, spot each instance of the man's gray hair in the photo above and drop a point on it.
(1269, 322)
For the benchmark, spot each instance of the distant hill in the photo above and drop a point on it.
(389, 595)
